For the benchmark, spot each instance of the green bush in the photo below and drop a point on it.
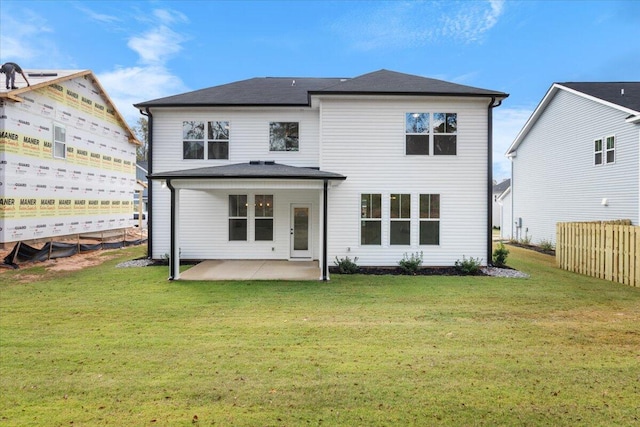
(500, 255)
(546, 245)
(346, 265)
(468, 266)
(410, 264)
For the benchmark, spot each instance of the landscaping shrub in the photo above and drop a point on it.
(469, 266)
(500, 255)
(410, 264)
(346, 265)
(546, 245)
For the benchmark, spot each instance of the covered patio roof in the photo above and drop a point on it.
(251, 170)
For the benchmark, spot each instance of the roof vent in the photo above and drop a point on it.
(43, 74)
(254, 162)
(622, 92)
(293, 83)
(270, 162)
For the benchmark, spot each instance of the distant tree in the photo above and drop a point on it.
(141, 129)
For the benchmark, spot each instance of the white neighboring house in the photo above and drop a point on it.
(67, 158)
(577, 159)
(372, 167)
(498, 189)
(504, 205)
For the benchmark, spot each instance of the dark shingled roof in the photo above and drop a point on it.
(610, 92)
(296, 91)
(254, 169)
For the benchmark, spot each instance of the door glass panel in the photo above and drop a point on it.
(300, 229)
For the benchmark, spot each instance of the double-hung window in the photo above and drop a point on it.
(238, 217)
(264, 217)
(445, 128)
(217, 140)
(196, 144)
(284, 136)
(59, 141)
(400, 207)
(417, 133)
(370, 219)
(604, 150)
(429, 219)
(193, 140)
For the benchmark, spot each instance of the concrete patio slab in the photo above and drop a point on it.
(253, 270)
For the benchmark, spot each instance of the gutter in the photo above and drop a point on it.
(147, 113)
(490, 108)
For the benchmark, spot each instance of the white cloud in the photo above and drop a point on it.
(416, 23)
(157, 45)
(507, 123)
(128, 86)
(22, 38)
(100, 17)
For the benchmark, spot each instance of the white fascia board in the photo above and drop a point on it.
(634, 119)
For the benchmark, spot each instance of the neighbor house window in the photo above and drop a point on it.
(371, 219)
(264, 217)
(400, 209)
(611, 149)
(445, 127)
(59, 141)
(193, 140)
(429, 219)
(283, 136)
(238, 217)
(417, 133)
(217, 140)
(597, 150)
(604, 150)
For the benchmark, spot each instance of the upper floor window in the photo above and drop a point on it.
(604, 150)
(59, 141)
(417, 133)
(424, 131)
(193, 140)
(371, 219)
(445, 127)
(284, 136)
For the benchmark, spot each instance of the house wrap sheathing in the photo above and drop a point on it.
(67, 158)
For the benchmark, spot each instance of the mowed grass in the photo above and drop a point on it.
(108, 346)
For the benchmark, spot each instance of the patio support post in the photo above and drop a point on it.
(174, 256)
(325, 210)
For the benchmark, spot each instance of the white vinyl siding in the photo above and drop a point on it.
(377, 140)
(566, 186)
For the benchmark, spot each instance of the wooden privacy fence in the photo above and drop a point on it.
(607, 250)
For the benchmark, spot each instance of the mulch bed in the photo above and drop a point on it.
(423, 271)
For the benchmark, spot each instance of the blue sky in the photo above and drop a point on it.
(142, 50)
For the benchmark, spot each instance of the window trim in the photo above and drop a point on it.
(429, 218)
(431, 133)
(297, 145)
(369, 218)
(400, 218)
(206, 140)
(597, 151)
(238, 217)
(56, 142)
(257, 217)
(607, 150)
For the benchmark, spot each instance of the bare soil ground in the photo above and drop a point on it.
(77, 261)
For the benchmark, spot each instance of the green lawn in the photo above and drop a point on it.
(107, 346)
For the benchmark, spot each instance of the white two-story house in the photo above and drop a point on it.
(576, 159)
(374, 167)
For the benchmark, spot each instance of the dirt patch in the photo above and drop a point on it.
(75, 262)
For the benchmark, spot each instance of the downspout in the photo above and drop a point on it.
(325, 272)
(172, 268)
(492, 105)
(150, 187)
